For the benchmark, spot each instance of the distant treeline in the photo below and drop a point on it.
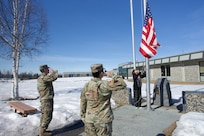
(22, 76)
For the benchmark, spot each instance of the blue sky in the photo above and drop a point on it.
(84, 32)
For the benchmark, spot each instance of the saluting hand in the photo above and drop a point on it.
(108, 73)
(51, 70)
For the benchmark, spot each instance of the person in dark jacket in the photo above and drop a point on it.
(137, 85)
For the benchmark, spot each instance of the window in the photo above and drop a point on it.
(165, 70)
(168, 70)
(162, 70)
(202, 71)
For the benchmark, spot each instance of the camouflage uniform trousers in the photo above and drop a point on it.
(98, 129)
(46, 112)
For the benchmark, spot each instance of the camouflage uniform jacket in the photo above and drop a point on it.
(95, 102)
(44, 85)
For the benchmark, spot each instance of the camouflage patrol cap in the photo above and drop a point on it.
(96, 68)
(43, 67)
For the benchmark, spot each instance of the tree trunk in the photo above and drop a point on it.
(15, 74)
(15, 52)
(15, 85)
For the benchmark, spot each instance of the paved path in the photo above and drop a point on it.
(129, 121)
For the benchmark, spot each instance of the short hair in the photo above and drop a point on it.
(43, 67)
(96, 74)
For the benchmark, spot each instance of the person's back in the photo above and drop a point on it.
(44, 84)
(95, 103)
(98, 101)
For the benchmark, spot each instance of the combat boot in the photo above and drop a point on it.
(43, 132)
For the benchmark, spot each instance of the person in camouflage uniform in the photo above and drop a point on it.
(95, 105)
(46, 92)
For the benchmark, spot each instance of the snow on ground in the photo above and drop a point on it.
(67, 103)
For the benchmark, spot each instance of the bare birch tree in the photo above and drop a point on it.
(23, 31)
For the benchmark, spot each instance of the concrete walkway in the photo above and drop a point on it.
(129, 121)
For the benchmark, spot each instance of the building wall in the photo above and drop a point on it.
(185, 71)
(155, 73)
(192, 73)
(180, 71)
(177, 73)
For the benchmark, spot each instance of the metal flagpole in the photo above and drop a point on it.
(147, 72)
(133, 40)
(148, 84)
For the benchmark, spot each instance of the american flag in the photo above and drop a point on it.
(149, 44)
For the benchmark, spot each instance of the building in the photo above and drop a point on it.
(76, 74)
(187, 67)
(84, 74)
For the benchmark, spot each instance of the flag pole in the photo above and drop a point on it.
(148, 84)
(147, 71)
(133, 39)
